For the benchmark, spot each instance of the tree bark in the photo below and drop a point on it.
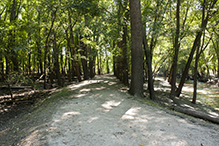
(149, 64)
(29, 63)
(72, 48)
(91, 63)
(39, 52)
(53, 15)
(176, 46)
(195, 77)
(125, 59)
(195, 45)
(2, 66)
(197, 114)
(84, 61)
(14, 58)
(56, 59)
(136, 88)
(216, 48)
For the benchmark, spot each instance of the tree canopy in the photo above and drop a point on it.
(80, 38)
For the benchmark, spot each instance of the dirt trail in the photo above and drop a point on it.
(100, 112)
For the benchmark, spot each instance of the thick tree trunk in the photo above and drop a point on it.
(136, 88)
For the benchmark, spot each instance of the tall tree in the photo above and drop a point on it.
(136, 87)
(176, 51)
(56, 59)
(53, 16)
(204, 23)
(149, 64)
(13, 17)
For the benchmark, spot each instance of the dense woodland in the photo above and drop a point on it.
(73, 40)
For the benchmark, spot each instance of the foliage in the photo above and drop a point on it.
(98, 25)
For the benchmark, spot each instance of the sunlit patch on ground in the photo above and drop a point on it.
(92, 119)
(69, 114)
(83, 83)
(130, 114)
(105, 115)
(110, 104)
(205, 93)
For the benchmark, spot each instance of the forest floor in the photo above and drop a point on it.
(100, 112)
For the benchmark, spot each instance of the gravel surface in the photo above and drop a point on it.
(100, 112)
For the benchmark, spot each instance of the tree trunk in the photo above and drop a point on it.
(39, 52)
(197, 114)
(218, 67)
(114, 65)
(195, 77)
(29, 63)
(91, 63)
(68, 59)
(198, 54)
(12, 37)
(176, 46)
(125, 59)
(83, 60)
(114, 60)
(7, 65)
(73, 49)
(56, 58)
(107, 65)
(47, 46)
(149, 64)
(195, 45)
(62, 61)
(98, 64)
(1, 65)
(136, 88)
(50, 71)
(40, 58)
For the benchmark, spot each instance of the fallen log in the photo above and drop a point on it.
(197, 114)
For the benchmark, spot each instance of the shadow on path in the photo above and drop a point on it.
(100, 112)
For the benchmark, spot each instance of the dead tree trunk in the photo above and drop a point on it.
(197, 114)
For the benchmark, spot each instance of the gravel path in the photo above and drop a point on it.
(100, 112)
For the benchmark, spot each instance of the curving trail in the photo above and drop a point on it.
(100, 112)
